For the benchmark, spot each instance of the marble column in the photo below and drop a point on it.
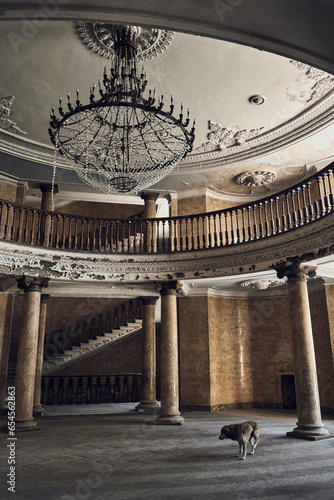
(148, 400)
(169, 413)
(309, 425)
(38, 408)
(150, 212)
(27, 352)
(47, 204)
(6, 316)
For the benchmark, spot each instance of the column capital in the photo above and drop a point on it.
(148, 301)
(168, 287)
(295, 271)
(32, 284)
(47, 188)
(150, 196)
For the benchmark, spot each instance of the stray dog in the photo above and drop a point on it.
(247, 431)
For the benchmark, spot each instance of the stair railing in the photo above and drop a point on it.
(91, 327)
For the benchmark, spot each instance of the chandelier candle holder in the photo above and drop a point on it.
(121, 141)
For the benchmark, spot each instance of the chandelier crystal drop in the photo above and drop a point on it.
(122, 141)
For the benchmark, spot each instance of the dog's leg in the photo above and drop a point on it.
(254, 443)
(244, 450)
(240, 452)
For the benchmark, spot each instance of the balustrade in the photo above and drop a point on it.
(93, 389)
(288, 210)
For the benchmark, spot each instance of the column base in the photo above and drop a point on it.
(38, 410)
(170, 420)
(147, 407)
(309, 432)
(26, 425)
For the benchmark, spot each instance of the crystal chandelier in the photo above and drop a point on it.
(121, 141)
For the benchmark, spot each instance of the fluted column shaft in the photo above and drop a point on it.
(148, 400)
(38, 408)
(27, 353)
(309, 423)
(169, 413)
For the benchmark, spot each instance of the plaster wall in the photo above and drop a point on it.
(194, 351)
(250, 348)
(8, 192)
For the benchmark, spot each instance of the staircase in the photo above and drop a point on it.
(90, 335)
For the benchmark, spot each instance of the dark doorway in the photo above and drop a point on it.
(288, 392)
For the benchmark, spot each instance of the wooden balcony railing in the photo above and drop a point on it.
(92, 389)
(302, 204)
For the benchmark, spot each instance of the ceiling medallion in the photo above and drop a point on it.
(99, 37)
(257, 178)
(263, 284)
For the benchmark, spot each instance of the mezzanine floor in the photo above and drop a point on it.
(113, 453)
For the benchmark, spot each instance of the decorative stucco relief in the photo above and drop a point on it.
(219, 137)
(262, 284)
(311, 86)
(257, 178)
(5, 122)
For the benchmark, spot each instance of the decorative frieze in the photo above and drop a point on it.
(219, 137)
(263, 284)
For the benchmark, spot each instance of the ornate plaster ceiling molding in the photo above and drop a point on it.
(256, 178)
(99, 38)
(5, 122)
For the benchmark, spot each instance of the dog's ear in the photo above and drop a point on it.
(226, 430)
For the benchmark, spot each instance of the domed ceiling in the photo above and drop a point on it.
(263, 122)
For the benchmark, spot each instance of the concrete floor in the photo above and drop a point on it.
(125, 456)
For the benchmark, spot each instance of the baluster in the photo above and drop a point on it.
(187, 236)
(215, 230)
(250, 236)
(326, 196)
(226, 230)
(204, 231)
(64, 232)
(220, 230)
(181, 234)
(238, 230)
(244, 234)
(288, 212)
(284, 217)
(3, 217)
(57, 232)
(232, 228)
(272, 221)
(306, 216)
(256, 236)
(260, 220)
(192, 233)
(300, 213)
(153, 235)
(209, 231)
(308, 185)
(198, 234)
(32, 230)
(175, 235)
(294, 213)
(8, 225)
(330, 187)
(266, 222)
(21, 225)
(321, 198)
